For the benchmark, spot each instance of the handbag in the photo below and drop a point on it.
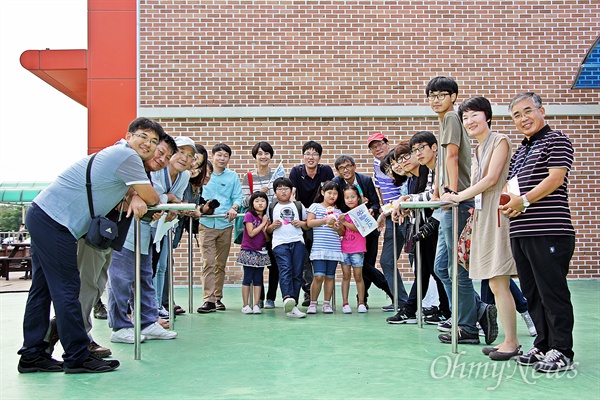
(102, 231)
(464, 242)
(238, 224)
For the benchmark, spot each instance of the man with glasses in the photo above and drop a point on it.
(388, 192)
(57, 218)
(542, 237)
(346, 167)
(453, 174)
(307, 179)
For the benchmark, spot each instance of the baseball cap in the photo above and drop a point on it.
(376, 137)
(182, 141)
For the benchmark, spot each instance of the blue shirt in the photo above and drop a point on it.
(114, 169)
(226, 188)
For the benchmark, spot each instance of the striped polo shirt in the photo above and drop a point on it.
(389, 191)
(549, 216)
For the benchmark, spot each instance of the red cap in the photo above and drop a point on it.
(376, 136)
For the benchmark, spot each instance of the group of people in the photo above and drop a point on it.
(300, 228)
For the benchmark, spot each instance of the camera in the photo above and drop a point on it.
(428, 229)
(208, 206)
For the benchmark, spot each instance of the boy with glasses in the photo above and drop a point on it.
(453, 174)
(307, 179)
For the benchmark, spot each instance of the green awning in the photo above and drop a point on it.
(20, 192)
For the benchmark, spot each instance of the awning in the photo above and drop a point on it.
(20, 192)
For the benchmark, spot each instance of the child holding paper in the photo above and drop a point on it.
(354, 246)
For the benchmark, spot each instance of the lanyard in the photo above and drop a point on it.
(482, 157)
(517, 170)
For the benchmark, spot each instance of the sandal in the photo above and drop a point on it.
(179, 310)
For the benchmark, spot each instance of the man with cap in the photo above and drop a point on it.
(215, 233)
(174, 179)
(388, 192)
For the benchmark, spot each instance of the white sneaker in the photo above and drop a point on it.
(362, 308)
(529, 322)
(125, 335)
(347, 309)
(288, 304)
(155, 331)
(327, 309)
(247, 310)
(163, 313)
(256, 310)
(312, 309)
(295, 313)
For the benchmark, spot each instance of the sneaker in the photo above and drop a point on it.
(295, 313)
(437, 318)
(430, 310)
(306, 301)
(463, 337)
(269, 304)
(529, 322)
(555, 361)
(98, 350)
(480, 330)
(288, 304)
(207, 307)
(488, 323)
(362, 308)
(347, 309)
(52, 336)
(389, 308)
(100, 310)
(530, 358)
(445, 326)
(261, 304)
(125, 335)
(220, 306)
(402, 317)
(43, 363)
(93, 364)
(163, 313)
(312, 308)
(256, 310)
(327, 308)
(247, 310)
(156, 332)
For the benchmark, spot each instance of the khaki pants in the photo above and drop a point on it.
(215, 245)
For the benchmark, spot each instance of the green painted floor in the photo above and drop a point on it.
(228, 355)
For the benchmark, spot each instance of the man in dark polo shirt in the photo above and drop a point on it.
(307, 179)
(346, 168)
(541, 233)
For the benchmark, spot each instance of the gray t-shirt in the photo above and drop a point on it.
(114, 169)
(452, 132)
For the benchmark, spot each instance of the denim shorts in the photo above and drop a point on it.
(324, 268)
(354, 260)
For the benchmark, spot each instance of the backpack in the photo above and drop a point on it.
(274, 203)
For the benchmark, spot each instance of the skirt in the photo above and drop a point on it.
(251, 258)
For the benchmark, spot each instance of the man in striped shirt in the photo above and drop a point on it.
(388, 192)
(541, 233)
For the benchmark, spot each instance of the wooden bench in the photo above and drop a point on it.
(14, 264)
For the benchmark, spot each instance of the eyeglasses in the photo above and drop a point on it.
(311, 155)
(418, 149)
(145, 138)
(439, 96)
(186, 154)
(405, 157)
(376, 146)
(283, 189)
(344, 168)
(526, 113)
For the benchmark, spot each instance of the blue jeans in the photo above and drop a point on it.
(54, 278)
(324, 268)
(290, 260)
(487, 296)
(388, 264)
(161, 268)
(470, 306)
(120, 286)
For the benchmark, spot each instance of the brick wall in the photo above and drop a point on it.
(367, 53)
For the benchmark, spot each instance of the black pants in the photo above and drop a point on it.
(543, 265)
(427, 251)
(371, 275)
(273, 277)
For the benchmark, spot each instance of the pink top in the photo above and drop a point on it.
(353, 242)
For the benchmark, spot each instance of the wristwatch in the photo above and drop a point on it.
(526, 202)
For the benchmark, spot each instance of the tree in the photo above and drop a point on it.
(10, 218)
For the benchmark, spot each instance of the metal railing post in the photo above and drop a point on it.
(190, 268)
(455, 279)
(419, 273)
(169, 250)
(137, 320)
